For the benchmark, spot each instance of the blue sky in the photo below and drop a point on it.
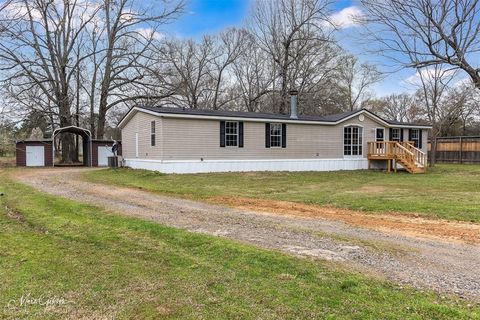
(210, 16)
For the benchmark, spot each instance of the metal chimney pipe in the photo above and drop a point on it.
(293, 104)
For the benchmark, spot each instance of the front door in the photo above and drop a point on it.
(380, 134)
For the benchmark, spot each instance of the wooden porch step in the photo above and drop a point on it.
(412, 168)
(405, 153)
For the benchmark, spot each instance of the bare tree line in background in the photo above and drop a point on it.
(441, 39)
(85, 63)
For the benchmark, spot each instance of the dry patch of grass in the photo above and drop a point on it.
(373, 189)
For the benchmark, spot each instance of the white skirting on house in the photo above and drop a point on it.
(205, 166)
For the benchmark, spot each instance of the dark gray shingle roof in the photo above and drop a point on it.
(400, 123)
(257, 115)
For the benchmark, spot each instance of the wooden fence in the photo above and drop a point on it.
(457, 149)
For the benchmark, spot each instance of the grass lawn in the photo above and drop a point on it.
(446, 191)
(100, 265)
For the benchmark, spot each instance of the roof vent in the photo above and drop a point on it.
(293, 104)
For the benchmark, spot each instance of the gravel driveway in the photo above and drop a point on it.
(439, 265)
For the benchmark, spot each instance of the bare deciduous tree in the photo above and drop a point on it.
(285, 29)
(464, 104)
(123, 50)
(432, 90)
(355, 79)
(190, 65)
(428, 32)
(231, 46)
(37, 45)
(252, 75)
(400, 107)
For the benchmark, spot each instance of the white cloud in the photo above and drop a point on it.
(347, 17)
(413, 80)
(148, 33)
(84, 11)
(464, 82)
(20, 12)
(428, 74)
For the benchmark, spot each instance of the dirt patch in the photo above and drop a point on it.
(18, 217)
(15, 215)
(6, 162)
(394, 222)
(371, 189)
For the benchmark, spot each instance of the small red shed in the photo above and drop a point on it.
(101, 150)
(34, 153)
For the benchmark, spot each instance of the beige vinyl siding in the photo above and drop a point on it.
(140, 123)
(194, 139)
(128, 138)
(187, 139)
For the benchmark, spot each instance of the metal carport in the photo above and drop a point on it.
(86, 139)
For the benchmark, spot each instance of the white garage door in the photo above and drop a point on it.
(35, 156)
(103, 154)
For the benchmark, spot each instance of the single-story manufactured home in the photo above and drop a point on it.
(176, 140)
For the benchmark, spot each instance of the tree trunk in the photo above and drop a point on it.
(284, 93)
(217, 88)
(68, 148)
(92, 103)
(92, 122)
(102, 114)
(68, 143)
(283, 102)
(285, 89)
(77, 113)
(103, 107)
(433, 151)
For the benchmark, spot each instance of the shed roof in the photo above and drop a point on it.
(46, 140)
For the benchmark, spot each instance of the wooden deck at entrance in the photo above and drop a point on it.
(405, 153)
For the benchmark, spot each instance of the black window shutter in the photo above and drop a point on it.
(401, 134)
(284, 135)
(391, 134)
(222, 134)
(420, 139)
(409, 135)
(240, 134)
(267, 135)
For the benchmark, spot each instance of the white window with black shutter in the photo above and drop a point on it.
(152, 134)
(396, 134)
(231, 134)
(415, 136)
(275, 135)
